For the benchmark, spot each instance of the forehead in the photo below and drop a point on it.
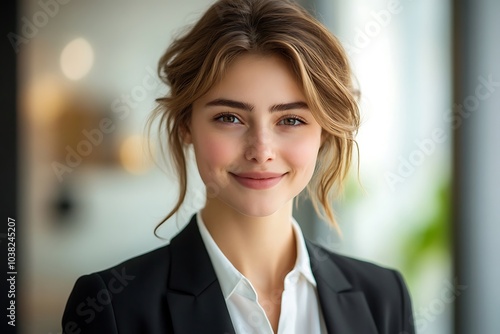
(257, 78)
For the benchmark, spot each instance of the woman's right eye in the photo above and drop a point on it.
(227, 118)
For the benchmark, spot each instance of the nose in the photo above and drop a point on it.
(259, 146)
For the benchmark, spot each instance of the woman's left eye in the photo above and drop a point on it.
(291, 121)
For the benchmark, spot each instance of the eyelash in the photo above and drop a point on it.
(288, 117)
(225, 114)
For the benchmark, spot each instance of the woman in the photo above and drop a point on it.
(262, 93)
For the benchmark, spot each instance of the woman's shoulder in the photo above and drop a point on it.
(376, 289)
(155, 261)
(101, 301)
(147, 272)
(361, 275)
(144, 270)
(143, 273)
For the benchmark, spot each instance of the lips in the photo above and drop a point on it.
(258, 180)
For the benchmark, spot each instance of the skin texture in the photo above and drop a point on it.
(252, 226)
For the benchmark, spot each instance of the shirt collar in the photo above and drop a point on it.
(229, 277)
(302, 264)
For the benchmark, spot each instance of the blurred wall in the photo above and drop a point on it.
(478, 160)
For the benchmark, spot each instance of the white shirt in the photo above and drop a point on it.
(300, 309)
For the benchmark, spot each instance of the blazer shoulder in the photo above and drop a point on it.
(384, 288)
(142, 278)
(154, 263)
(372, 278)
(359, 272)
(109, 300)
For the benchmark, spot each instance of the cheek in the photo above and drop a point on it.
(213, 154)
(304, 153)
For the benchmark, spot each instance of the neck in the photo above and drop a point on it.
(263, 249)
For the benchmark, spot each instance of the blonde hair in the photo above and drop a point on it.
(197, 60)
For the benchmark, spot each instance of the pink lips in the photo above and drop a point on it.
(258, 180)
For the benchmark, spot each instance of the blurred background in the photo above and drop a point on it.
(89, 197)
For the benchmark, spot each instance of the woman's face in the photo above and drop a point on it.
(254, 138)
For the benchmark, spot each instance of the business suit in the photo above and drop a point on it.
(174, 289)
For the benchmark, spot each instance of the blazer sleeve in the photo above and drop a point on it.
(407, 323)
(89, 309)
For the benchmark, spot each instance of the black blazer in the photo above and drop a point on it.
(174, 289)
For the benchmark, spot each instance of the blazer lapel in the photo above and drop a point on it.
(194, 295)
(344, 310)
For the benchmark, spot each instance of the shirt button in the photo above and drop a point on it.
(255, 319)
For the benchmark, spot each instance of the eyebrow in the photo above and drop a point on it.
(250, 107)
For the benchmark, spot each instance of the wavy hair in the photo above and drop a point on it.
(197, 60)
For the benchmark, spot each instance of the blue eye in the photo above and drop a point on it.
(291, 121)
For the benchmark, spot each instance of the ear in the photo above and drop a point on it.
(185, 133)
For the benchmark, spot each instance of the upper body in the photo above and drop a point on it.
(174, 289)
(262, 94)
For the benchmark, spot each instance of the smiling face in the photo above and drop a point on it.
(254, 138)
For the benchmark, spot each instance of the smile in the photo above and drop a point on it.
(258, 181)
